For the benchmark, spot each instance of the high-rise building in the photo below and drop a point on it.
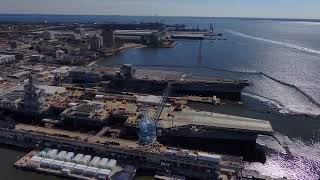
(82, 33)
(96, 42)
(108, 38)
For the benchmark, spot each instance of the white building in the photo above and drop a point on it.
(7, 59)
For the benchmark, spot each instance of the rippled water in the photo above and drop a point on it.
(303, 161)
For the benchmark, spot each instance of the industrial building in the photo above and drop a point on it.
(108, 38)
(96, 42)
(7, 59)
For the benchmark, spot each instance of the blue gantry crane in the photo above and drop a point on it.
(148, 126)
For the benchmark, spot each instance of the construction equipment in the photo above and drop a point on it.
(147, 126)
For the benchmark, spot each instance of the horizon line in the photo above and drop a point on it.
(221, 17)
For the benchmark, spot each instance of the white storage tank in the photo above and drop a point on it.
(52, 153)
(69, 156)
(79, 169)
(103, 173)
(94, 162)
(91, 171)
(111, 164)
(61, 155)
(85, 160)
(77, 158)
(103, 163)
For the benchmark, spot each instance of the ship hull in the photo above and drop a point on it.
(223, 90)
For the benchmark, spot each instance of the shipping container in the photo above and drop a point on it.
(77, 158)
(94, 162)
(57, 165)
(85, 160)
(91, 171)
(61, 155)
(46, 163)
(111, 164)
(69, 156)
(44, 152)
(103, 163)
(68, 165)
(52, 153)
(79, 169)
(103, 173)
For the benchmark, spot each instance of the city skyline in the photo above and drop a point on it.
(201, 8)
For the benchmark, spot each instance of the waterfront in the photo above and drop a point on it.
(302, 163)
(286, 50)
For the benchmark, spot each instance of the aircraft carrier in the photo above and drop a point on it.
(128, 78)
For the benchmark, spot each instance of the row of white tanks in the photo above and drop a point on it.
(80, 164)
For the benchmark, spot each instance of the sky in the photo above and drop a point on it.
(305, 9)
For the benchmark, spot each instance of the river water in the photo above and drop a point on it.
(286, 51)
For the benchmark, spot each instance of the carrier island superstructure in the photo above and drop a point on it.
(100, 119)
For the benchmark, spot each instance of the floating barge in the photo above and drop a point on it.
(78, 166)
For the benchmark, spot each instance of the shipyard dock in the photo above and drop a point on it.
(193, 35)
(188, 163)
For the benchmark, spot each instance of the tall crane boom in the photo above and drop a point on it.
(162, 102)
(147, 126)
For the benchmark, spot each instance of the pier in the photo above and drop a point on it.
(198, 35)
(188, 163)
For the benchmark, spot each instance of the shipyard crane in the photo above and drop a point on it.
(147, 125)
(162, 102)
